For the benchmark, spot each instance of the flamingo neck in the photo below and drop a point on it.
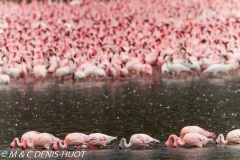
(180, 142)
(125, 143)
(62, 145)
(18, 143)
(221, 139)
(170, 140)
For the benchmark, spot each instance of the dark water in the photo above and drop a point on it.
(158, 106)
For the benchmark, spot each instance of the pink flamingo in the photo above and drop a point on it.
(28, 135)
(189, 129)
(170, 140)
(192, 139)
(41, 139)
(196, 129)
(232, 137)
(73, 139)
(100, 140)
(139, 140)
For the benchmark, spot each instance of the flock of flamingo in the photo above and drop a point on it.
(189, 136)
(118, 38)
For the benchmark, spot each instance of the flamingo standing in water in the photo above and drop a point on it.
(99, 140)
(4, 78)
(196, 129)
(41, 139)
(65, 71)
(175, 67)
(28, 135)
(74, 139)
(139, 140)
(192, 139)
(189, 129)
(170, 140)
(232, 137)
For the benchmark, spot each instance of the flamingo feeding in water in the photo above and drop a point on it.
(232, 137)
(172, 137)
(196, 129)
(192, 139)
(28, 135)
(142, 140)
(42, 139)
(73, 139)
(189, 129)
(99, 140)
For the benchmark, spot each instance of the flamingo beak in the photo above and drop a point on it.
(54, 149)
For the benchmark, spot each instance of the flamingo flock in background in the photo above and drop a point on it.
(116, 39)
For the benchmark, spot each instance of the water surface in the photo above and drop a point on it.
(158, 106)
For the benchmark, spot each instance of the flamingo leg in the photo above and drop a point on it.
(150, 147)
(91, 146)
(76, 147)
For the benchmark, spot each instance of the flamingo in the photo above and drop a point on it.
(4, 79)
(78, 75)
(165, 69)
(193, 65)
(65, 71)
(15, 72)
(100, 140)
(189, 129)
(232, 137)
(192, 139)
(175, 67)
(123, 72)
(28, 135)
(196, 129)
(168, 143)
(41, 70)
(53, 60)
(226, 68)
(143, 68)
(215, 68)
(139, 140)
(41, 139)
(73, 139)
